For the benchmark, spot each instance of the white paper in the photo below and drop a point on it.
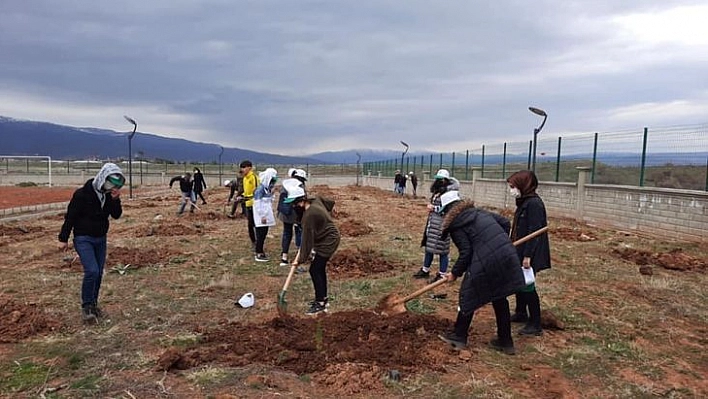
(528, 275)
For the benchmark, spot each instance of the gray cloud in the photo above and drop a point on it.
(305, 76)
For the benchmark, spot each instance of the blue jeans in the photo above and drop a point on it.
(428, 260)
(288, 236)
(92, 252)
(187, 197)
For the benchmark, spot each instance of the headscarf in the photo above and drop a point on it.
(268, 178)
(526, 182)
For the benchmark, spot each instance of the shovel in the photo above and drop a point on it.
(390, 304)
(282, 303)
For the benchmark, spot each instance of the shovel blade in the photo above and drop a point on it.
(282, 303)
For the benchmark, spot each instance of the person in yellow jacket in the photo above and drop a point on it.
(250, 183)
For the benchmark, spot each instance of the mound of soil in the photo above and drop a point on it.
(351, 350)
(19, 321)
(675, 259)
(354, 228)
(359, 263)
(170, 229)
(572, 234)
(16, 233)
(137, 258)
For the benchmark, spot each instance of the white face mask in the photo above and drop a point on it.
(514, 192)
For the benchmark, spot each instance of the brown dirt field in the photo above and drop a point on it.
(173, 330)
(13, 196)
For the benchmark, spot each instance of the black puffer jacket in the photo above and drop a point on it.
(530, 216)
(86, 217)
(487, 258)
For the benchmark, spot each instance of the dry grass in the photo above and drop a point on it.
(627, 335)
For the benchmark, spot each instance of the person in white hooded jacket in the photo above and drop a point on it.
(263, 216)
(87, 216)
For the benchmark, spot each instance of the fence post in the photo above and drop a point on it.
(706, 174)
(467, 163)
(430, 168)
(440, 161)
(482, 160)
(558, 159)
(594, 159)
(452, 170)
(475, 175)
(583, 172)
(644, 157)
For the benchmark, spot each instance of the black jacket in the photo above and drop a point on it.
(184, 185)
(530, 215)
(199, 183)
(85, 215)
(487, 258)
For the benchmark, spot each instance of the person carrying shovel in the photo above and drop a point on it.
(488, 260)
(319, 233)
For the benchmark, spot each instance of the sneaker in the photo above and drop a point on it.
(529, 329)
(506, 348)
(312, 303)
(437, 277)
(88, 315)
(421, 274)
(261, 258)
(519, 318)
(284, 260)
(316, 307)
(231, 216)
(300, 270)
(454, 340)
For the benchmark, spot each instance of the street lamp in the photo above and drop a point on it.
(220, 154)
(130, 153)
(404, 154)
(536, 131)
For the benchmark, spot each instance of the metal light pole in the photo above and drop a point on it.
(404, 154)
(130, 153)
(220, 154)
(536, 131)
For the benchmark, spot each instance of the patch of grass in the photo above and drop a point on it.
(208, 376)
(419, 306)
(22, 376)
(183, 341)
(88, 383)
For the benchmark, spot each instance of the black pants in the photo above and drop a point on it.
(199, 194)
(318, 274)
(251, 224)
(501, 313)
(261, 233)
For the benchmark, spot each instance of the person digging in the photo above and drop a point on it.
(319, 233)
(490, 266)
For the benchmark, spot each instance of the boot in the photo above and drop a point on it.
(533, 327)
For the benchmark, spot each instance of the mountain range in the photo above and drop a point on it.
(22, 138)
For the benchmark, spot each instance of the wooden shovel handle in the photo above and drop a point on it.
(443, 281)
(292, 271)
(421, 291)
(531, 236)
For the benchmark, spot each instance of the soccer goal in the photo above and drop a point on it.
(26, 170)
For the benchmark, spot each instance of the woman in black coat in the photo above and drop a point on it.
(488, 260)
(199, 185)
(530, 215)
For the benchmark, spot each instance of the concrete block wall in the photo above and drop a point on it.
(670, 213)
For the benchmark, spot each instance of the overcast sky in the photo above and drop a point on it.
(298, 77)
